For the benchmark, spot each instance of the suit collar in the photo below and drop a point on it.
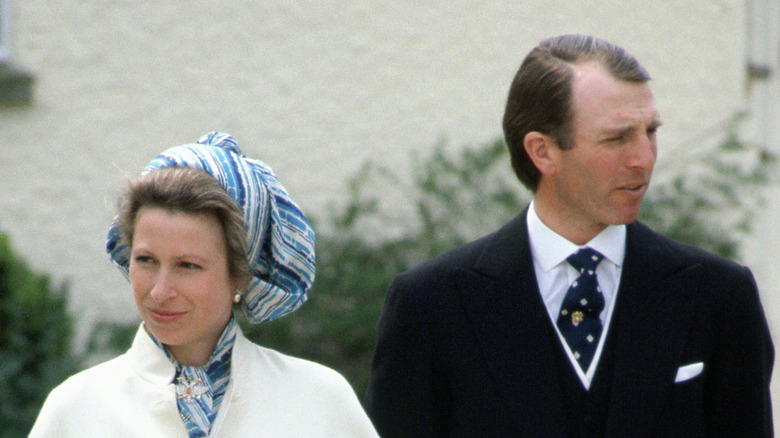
(505, 250)
(551, 249)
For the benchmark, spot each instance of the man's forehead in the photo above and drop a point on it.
(620, 120)
(615, 103)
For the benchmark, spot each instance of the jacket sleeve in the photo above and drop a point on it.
(737, 392)
(401, 399)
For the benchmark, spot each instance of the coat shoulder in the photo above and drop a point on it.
(286, 386)
(718, 276)
(511, 239)
(683, 253)
(280, 367)
(69, 405)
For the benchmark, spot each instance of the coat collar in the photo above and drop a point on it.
(150, 361)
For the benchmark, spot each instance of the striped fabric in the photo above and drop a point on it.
(200, 390)
(280, 239)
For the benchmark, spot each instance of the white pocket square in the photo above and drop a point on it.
(688, 372)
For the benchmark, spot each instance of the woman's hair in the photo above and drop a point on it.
(186, 190)
(540, 97)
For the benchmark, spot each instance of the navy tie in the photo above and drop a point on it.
(578, 319)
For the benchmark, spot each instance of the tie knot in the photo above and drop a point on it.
(585, 259)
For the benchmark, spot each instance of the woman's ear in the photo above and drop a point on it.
(542, 150)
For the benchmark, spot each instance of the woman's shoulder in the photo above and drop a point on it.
(286, 379)
(287, 386)
(68, 403)
(284, 367)
(96, 377)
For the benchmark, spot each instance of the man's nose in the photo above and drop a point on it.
(643, 153)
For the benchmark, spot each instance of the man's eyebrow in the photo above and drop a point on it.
(618, 130)
(615, 130)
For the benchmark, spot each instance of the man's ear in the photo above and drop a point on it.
(542, 150)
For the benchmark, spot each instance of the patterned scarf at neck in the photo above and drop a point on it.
(200, 390)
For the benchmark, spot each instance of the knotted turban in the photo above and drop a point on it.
(280, 241)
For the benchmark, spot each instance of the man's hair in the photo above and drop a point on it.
(187, 190)
(540, 97)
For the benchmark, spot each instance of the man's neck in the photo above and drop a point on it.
(573, 230)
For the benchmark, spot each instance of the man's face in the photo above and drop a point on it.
(601, 180)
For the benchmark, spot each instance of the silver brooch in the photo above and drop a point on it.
(190, 388)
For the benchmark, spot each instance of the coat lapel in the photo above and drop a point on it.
(501, 300)
(654, 310)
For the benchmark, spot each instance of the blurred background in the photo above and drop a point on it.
(382, 119)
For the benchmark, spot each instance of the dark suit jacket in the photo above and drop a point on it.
(460, 351)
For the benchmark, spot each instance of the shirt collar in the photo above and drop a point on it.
(549, 248)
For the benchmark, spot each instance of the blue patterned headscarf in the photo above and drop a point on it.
(280, 241)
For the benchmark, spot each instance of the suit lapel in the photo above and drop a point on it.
(654, 310)
(501, 300)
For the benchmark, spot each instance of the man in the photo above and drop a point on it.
(505, 337)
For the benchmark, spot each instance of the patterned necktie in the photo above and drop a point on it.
(579, 321)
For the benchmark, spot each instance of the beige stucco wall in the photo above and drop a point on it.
(314, 88)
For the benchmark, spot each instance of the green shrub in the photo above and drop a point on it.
(365, 243)
(35, 341)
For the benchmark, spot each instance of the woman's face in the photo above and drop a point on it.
(180, 280)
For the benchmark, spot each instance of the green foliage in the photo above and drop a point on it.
(390, 222)
(363, 245)
(35, 341)
(708, 197)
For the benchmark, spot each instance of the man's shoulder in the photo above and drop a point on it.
(455, 258)
(468, 255)
(671, 250)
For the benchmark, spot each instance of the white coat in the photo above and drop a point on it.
(270, 395)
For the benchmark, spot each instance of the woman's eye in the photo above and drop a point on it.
(188, 265)
(143, 259)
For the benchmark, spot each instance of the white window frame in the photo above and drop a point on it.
(5, 30)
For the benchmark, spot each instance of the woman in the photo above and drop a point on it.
(204, 230)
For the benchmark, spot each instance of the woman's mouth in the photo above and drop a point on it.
(165, 316)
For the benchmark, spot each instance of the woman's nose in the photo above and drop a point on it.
(163, 287)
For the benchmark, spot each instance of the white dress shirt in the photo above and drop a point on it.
(554, 276)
